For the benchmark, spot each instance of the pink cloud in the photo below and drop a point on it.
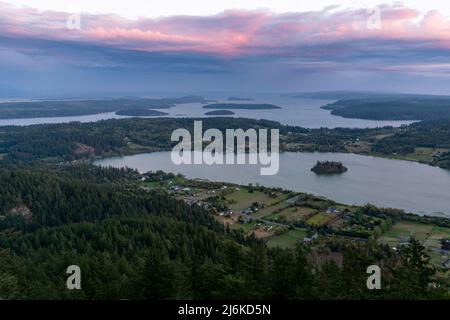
(234, 33)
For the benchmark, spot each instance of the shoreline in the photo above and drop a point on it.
(434, 214)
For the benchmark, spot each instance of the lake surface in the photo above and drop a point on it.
(414, 187)
(298, 112)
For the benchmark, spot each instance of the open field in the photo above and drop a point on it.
(420, 154)
(320, 219)
(404, 229)
(270, 210)
(297, 213)
(276, 213)
(287, 239)
(292, 214)
(430, 235)
(242, 199)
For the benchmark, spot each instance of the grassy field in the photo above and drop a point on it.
(242, 199)
(288, 239)
(246, 228)
(404, 229)
(320, 219)
(292, 214)
(296, 214)
(419, 155)
(430, 236)
(152, 184)
(270, 209)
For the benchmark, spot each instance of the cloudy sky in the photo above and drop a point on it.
(105, 47)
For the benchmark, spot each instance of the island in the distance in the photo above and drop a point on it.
(328, 167)
(395, 107)
(247, 106)
(220, 113)
(137, 112)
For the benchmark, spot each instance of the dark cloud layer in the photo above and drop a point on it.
(234, 50)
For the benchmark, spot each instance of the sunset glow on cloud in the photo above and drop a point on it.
(330, 40)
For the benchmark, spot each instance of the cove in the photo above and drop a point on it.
(413, 187)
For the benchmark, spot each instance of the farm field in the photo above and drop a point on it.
(430, 235)
(271, 210)
(403, 230)
(242, 199)
(288, 239)
(320, 219)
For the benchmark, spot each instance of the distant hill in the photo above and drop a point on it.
(351, 95)
(393, 108)
(65, 108)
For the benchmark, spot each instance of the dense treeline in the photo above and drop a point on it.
(428, 134)
(129, 136)
(65, 108)
(135, 135)
(53, 201)
(111, 136)
(147, 245)
(393, 108)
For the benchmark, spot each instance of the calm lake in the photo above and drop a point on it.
(298, 112)
(414, 187)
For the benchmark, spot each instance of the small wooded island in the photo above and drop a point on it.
(329, 167)
(220, 113)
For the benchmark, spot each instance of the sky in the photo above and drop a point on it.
(101, 48)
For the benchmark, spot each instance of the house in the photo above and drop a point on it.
(437, 154)
(292, 200)
(309, 239)
(228, 213)
(243, 219)
(445, 244)
(404, 244)
(332, 210)
(348, 216)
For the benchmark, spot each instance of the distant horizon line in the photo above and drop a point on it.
(150, 94)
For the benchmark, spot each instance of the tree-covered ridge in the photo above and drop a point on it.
(130, 136)
(435, 133)
(393, 108)
(66, 108)
(105, 137)
(137, 244)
